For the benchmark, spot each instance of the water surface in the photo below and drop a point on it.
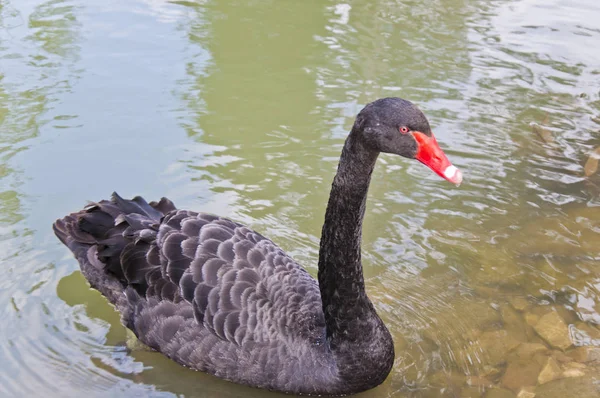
(241, 109)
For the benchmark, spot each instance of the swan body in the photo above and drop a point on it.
(218, 297)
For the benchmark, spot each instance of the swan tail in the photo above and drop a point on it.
(112, 239)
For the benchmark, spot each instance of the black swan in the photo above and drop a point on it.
(215, 296)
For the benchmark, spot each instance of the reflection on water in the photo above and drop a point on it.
(241, 109)
(39, 53)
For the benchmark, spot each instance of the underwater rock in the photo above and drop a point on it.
(574, 369)
(573, 372)
(550, 372)
(499, 393)
(526, 392)
(495, 345)
(580, 387)
(514, 323)
(554, 331)
(532, 319)
(561, 357)
(491, 372)
(543, 133)
(479, 314)
(479, 381)
(519, 303)
(585, 354)
(529, 350)
(519, 373)
(591, 166)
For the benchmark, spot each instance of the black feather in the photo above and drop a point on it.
(134, 262)
(187, 286)
(191, 227)
(210, 271)
(164, 206)
(191, 285)
(149, 211)
(216, 232)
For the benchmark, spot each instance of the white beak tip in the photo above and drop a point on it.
(453, 175)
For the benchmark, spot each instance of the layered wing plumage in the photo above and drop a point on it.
(206, 291)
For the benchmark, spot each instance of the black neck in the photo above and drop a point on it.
(359, 340)
(340, 269)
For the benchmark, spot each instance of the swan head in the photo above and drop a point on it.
(397, 126)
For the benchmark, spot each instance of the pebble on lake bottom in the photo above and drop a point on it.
(526, 392)
(520, 365)
(579, 387)
(554, 331)
(551, 371)
(585, 354)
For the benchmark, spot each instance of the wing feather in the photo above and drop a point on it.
(235, 283)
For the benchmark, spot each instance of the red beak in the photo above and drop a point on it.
(431, 155)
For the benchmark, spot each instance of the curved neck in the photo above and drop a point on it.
(345, 303)
(359, 340)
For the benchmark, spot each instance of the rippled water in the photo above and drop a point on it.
(241, 109)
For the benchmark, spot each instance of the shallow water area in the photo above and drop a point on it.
(491, 289)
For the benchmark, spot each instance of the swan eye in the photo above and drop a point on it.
(404, 129)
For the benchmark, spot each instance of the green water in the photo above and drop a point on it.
(241, 109)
